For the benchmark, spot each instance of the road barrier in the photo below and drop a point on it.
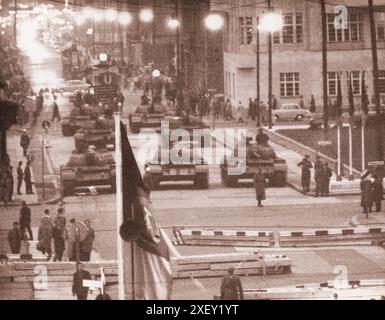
(217, 265)
(327, 236)
(205, 237)
(257, 239)
(332, 290)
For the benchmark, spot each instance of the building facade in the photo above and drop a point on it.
(297, 50)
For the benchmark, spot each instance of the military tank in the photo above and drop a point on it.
(99, 138)
(85, 118)
(258, 156)
(95, 169)
(194, 169)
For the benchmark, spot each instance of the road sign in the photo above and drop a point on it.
(51, 176)
(376, 163)
(324, 143)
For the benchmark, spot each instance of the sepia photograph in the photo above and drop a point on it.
(175, 151)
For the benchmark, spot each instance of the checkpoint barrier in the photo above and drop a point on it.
(204, 237)
(258, 239)
(217, 265)
(332, 290)
(327, 236)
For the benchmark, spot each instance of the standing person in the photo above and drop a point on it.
(87, 243)
(229, 111)
(25, 142)
(61, 219)
(20, 176)
(262, 113)
(77, 283)
(55, 112)
(259, 186)
(9, 183)
(25, 220)
(301, 103)
(58, 241)
(366, 194)
(313, 106)
(378, 192)
(3, 188)
(328, 176)
(275, 103)
(14, 238)
(319, 177)
(231, 286)
(240, 112)
(251, 113)
(28, 179)
(305, 165)
(45, 234)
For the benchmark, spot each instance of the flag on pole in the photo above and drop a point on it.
(152, 263)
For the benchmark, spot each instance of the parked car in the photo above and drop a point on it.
(290, 111)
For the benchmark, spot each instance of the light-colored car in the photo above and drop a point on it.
(71, 86)
(290, 111)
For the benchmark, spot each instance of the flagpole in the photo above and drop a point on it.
(119, 203)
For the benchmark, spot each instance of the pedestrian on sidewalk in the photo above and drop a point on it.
(20, 176)
(58, 241)
(231, 286)
(14, 238)
(259, 186)
(61, 219)
(305, 166)
(55, 113)
(28, 179)
(78, 288)
(87, 243)
(25, 220)
(3, 187)
(241, 112)
(366, 194)
(328, 176)
(25, 142)
(378, 192)
(45, 234)
(9, 183)
(319, 178)
(251, 112)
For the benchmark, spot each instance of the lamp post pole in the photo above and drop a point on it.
(258, 74)
(270, 54)
(324, 67)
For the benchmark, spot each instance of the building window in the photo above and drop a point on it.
(289, 84)
(332, 84)
(352, 33)
(246, 30)
(356, 82)
(380, 24)
(381, 81)
(292, 31)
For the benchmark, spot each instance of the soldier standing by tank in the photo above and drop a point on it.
(305, 165)
(24, 142)
(262, 138)
(260, 185)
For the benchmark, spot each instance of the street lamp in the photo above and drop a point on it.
(125, 18)
(214, 22)
(270, 23)
(146, 15)
(173, 24)
(110, 15)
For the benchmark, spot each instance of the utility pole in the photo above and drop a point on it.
(324, 67)
(153, 36)
(15, 24)
(258, 74)
(177, 41)
(270, 53)
(373, 35)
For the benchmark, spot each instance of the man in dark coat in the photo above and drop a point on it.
(231, 287)
(14, 238)
(55, 113)
(77, 284)
(28, 179)
(378, 192)
(262, 138)
(259, 185)
(87, 243)
(25, 220)
(319, 178)
(305, 165)
(328, 175)
(20, 176)
(24, 142)
(366, 195)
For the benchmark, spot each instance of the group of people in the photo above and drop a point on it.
(372, 192)
(52, 233)
(322, 176)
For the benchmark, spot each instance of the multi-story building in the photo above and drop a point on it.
(297, 49)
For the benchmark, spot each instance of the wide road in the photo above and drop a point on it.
(217, 207)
